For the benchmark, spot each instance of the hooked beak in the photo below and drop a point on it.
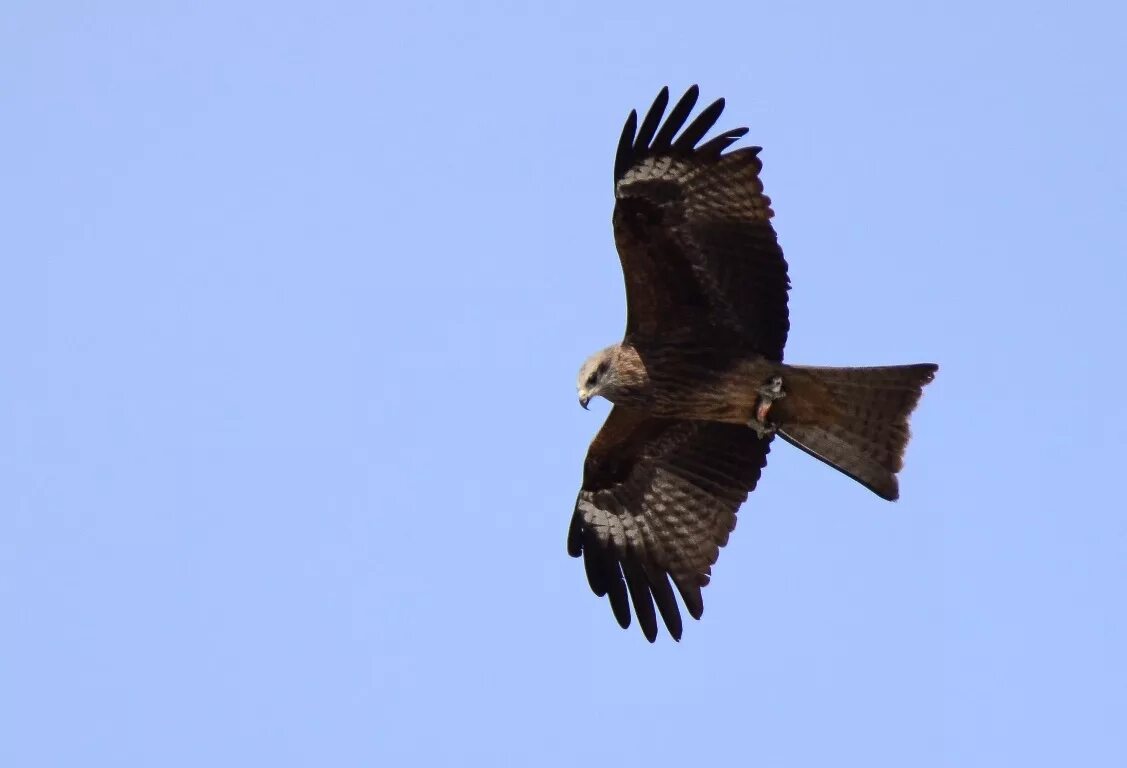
(583, 400)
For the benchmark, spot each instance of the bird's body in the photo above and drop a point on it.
(698, 382)
(689, 380)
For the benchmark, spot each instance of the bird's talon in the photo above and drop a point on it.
(768, 394)
(762, 429)
(772, 390)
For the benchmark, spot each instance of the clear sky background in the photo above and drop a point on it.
(292, 301)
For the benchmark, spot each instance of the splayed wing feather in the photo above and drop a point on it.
(712, 148)
(625, 145)
(652, 509)
(677, 116)
(693, 230)
(699, 127)
(651, 122)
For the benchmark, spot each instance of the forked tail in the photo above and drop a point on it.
(865, 431)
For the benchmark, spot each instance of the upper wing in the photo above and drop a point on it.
(659, 499)
(693, 229)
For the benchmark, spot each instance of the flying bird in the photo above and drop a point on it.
(698, 382)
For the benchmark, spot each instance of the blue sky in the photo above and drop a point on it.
(292, 302)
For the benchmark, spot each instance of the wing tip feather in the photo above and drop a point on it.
(657, 137)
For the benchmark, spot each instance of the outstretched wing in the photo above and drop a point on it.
(659, 499)
(693, 229)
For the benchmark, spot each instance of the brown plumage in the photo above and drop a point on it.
(698, 382)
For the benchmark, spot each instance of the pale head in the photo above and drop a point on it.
(597, 376)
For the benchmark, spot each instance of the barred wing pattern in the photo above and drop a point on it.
(693, 230)
(658, 500)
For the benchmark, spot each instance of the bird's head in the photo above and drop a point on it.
(597, 376)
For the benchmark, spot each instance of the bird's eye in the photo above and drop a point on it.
(592, 379)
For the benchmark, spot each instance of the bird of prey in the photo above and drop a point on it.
(698, 383)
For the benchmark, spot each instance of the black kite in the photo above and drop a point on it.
(698, 383)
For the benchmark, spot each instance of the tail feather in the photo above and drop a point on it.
(864, 433)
